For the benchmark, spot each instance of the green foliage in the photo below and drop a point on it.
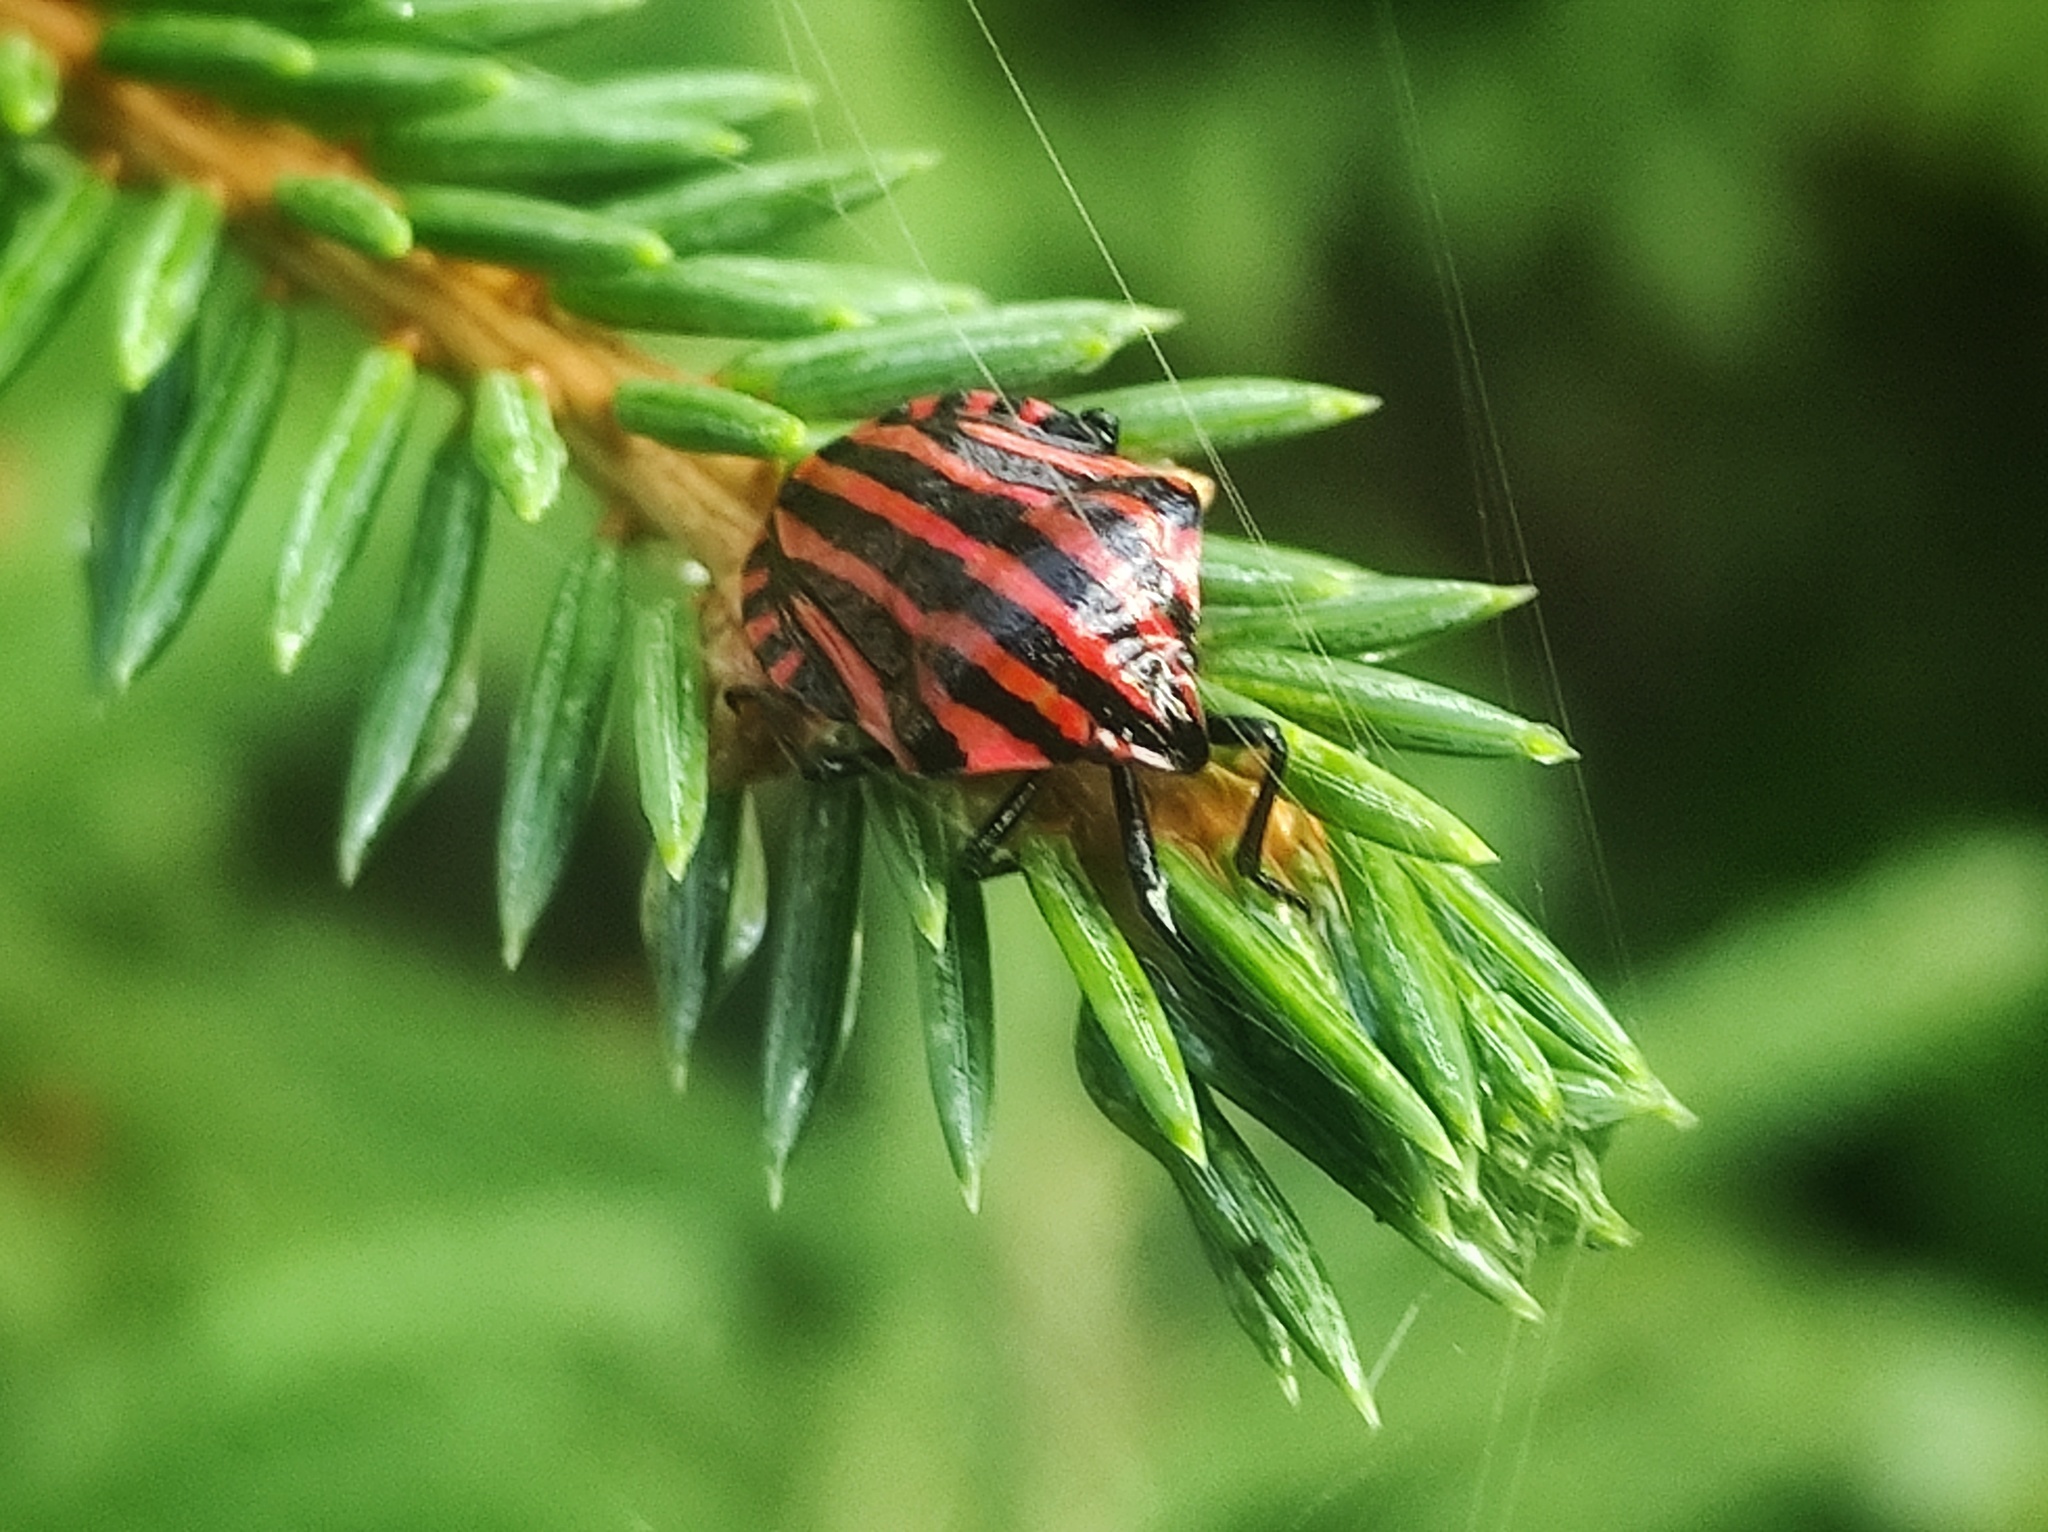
(423, 697)
(702, 923)
(208, 52)
(956, 997)
(558, 738)
(811, 957)
(698, 417)
(1409, 990)
(512, 432)
(57, 237)
(1122, 1001)
(1346, 789)
(863, 341)
(722, 95)
(749, 205)
(917, 838)
(487, 225)
(1406, 1120)
(445, 1196)
(761, 296)
(1364, 705)
(1245, 1225)
(475, 23)
(1372, 615)
(552, 136)
(671, 730)
(354, 81)
(302, 1188)
(1204, 415)
(1019, 346)
(345, 477)
(29, 85)
(1284, 978)
(165, 280)
(345, 209)
(181, 520)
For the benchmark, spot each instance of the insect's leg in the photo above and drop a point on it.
(1141, 856)
(1257, 734)
(983, 855)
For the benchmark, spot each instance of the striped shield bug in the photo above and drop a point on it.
(974, 585)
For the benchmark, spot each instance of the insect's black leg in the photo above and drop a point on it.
(980, 858)
(1257, 734)
(1141, 856)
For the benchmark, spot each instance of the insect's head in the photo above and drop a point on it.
(1093, 429)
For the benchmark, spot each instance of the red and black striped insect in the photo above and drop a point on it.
(978, 585)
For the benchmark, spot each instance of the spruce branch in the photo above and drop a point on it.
(1338, 971)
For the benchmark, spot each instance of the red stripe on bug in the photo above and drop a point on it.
(1053, 516)
(983, 741)
(999, 571)
(1047, 512)
(1025, 684)
(1178, 545)
(954, 631)
(1075, 461)
(1004, 572)
(870, 700)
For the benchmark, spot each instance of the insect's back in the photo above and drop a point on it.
(983, 587)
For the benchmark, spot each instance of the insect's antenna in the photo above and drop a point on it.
(860, 139)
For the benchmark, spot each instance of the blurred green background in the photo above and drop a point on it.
(312, 1217)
